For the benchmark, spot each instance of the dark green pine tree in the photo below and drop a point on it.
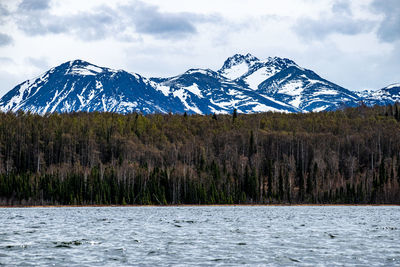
(311, 179)
(254, 185)
(390, 110)
(234, 115)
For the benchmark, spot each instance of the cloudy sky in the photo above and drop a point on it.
(355, 44)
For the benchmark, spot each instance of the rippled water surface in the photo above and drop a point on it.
(228, 235)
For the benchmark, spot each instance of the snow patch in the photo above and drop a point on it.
(94, 68)
(296, 102)
(236, 93)
(91, 95)
(103, 101)
(16, 100)
(137, 76)
(216, 111)
(225, 104)
(58, 97)
(182, 95)
(393, 85)
(263, 108)
(236, 71)
(325, 92)
(194, 89)
(294, 88)
(322, 108)
(312, 81)
(84, 70)
(260, 75)
(275, 101)
(99, 86)
(165, 90)
(128, 104)
(232, 92)
(201, 71)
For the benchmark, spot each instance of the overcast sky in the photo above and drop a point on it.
(355, 44)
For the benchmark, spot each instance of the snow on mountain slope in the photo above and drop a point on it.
(305, 90)
(80, 86)
(244, 83)
(262, 70)
(285, 81)
(388, 95)
(237, 65)
(251, 70)
(205, 91)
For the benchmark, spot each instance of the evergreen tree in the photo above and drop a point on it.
(107, 158)
(311, 179)
(234, 115)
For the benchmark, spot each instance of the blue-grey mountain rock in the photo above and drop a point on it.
(244, 82)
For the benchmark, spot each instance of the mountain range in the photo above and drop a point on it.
(244, 82)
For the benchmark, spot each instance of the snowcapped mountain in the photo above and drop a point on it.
(237, 65)
(244, 82)
(283, 80)
(81, 86)
(388, 95)
(204, 91)
(251, 70)
(307, 91)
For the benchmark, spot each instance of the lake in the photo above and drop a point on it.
(203, 235)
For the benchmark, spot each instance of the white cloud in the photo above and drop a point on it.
(344, 41)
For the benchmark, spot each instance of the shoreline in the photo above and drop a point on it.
(200, 205)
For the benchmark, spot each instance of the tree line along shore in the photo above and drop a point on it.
(349, 156)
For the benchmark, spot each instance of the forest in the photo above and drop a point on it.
(346, 156)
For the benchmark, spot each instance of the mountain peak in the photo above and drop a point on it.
(237, 65)
(200, 71)
(393, 85)
(78, 62)
(248, 57)
(238, 59)
(280, 61)
(244, 82)
(80, 67)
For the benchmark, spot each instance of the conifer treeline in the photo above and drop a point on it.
(346, 156)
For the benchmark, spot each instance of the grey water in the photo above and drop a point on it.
(200, 235)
